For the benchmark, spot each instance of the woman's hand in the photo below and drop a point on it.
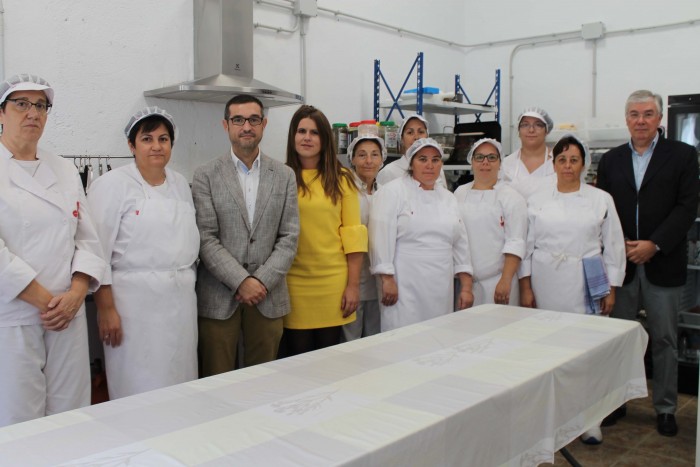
(108, 319)
(110, 325)
(607, 303)
(351, 298)
(62, 310)
(465, 299)
(527, 296)
(63, 307)
(502, 293)
(390, 291)
(527, 299)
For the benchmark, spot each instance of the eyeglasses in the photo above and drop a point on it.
(23, 105)
(255, 120)
(532, 126)
(488, 157)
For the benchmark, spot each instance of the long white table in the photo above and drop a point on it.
(494, 385)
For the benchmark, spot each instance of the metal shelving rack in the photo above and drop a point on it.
(419, 105)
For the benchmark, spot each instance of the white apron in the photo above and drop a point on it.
(423, 262)
(565, 231)
(153, 288)
(484, 219)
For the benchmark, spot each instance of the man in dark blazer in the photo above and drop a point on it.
(248, 222)
(654, 182)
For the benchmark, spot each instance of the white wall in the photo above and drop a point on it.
(558, 77)
(100, 56)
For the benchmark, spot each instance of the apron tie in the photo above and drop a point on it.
(562, 256)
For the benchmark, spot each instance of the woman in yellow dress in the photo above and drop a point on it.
(324, 280)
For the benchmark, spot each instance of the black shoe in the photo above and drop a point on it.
(666, 424)
(616, 414)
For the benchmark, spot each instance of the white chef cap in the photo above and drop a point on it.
(539, 114)
(410, 117)
(491, 141)
(423, 143)
(149, 112)
(25, 82)
(358, 140)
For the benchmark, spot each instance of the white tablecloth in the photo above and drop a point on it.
(493, 385)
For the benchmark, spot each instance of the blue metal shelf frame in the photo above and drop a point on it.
(418, 67)
(378, 75)
(495, 93)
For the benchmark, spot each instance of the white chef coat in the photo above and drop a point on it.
(152, 241)
(418, 237)
(399, 168)
(367, 313)
(46, 234)
(368, 283)
(563, 228)
(514, 172)
(496, 223)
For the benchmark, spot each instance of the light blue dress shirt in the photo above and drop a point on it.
(249, 180)
(640, 162)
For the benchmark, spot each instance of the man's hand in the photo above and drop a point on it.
(251, 291)
(640, 251)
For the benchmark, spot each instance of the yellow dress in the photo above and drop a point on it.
(319, 274)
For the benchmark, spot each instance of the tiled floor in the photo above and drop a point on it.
(633, 441)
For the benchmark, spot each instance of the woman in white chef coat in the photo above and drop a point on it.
(418, 243)
(495, 216)
(147, 308)
(366, 154)
(413, 128)
(530, 167)
(567, 223)
(49, 257)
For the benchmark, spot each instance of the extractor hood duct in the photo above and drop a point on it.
(223, 58)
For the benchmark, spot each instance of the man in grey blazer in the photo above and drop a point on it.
(248, 221)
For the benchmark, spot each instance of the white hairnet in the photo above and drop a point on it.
(423, 143)
(409, 118)
(25, 82)
(491, 141)
(148, 112)
(358, 140)
(539, 114)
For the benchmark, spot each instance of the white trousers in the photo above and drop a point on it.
(43, 372)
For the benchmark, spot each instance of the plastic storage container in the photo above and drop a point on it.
(368, 128)
(353, 130)
(340, 137)
(390, 132)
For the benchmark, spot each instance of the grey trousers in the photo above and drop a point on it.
(662, 305)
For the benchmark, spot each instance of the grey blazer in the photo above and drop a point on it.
(231, 248)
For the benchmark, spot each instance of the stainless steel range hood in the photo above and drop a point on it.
(223, 58)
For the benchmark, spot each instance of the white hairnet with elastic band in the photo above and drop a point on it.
(25, 82)
(356, 141)
(539, 114)
(586, 155)
(423, 143)
(149, 112)
(408, 119)
(490, 141)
